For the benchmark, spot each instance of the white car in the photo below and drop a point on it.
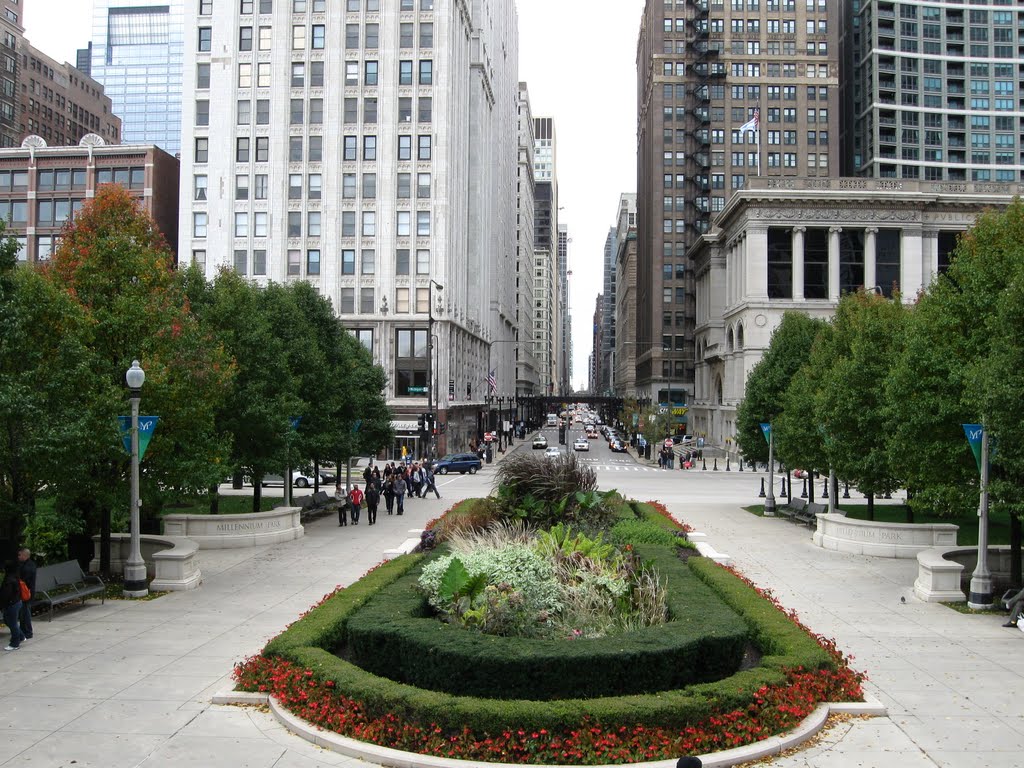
(552, 453)
(581, 444)
(299, 479)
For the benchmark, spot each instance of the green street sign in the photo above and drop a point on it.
(416, 390)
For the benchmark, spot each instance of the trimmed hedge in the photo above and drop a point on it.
(396, 636)
(784, 643)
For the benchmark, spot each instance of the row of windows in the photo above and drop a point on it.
(260, 224)
(314, 37)
(248, 7)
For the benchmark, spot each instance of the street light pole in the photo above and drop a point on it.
(981, 580)
(431, 389)
(135, 568)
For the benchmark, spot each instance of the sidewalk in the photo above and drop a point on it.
(129, 683)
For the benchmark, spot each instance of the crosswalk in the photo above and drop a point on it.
(616, 465)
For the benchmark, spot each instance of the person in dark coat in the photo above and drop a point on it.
(10, 604)
(400, 489)
(389, 493)
(372, 497)
(27, 573)
(342, 500)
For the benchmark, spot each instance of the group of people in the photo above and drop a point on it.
(394, 483)
(16, 592)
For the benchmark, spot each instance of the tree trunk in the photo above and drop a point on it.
(214, 500)
(257, 493)
(105, 542)
(810, 486)
(835, 490)
(1015, 569)
(316, 475)
(871, 506)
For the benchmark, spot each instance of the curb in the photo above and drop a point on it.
(393, 758)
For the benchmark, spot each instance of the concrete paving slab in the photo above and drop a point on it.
(190, 751)
(42, 713)
(90, 750)
(154, 717)
(13, 742)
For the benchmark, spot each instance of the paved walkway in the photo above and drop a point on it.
(129, 683)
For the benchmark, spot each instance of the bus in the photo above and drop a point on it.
(552, 419)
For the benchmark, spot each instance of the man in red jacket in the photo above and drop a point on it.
(355, 497)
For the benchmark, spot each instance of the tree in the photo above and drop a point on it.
(763, 401)
(797, 430)
(116, 267)
(851, 406)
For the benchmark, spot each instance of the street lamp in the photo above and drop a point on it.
(135, 567)
(431, 389)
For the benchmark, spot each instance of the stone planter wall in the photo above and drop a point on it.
(944, 573)
(172, 563)
(866, 537)
(230, 531)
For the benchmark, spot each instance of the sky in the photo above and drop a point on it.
(578, 58)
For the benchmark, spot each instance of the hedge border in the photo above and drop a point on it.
(784, 644)
(704, 642)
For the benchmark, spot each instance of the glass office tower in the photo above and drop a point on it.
(137, 56)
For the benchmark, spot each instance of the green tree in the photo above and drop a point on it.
(797, 430)
(115, 265)
(763, 401)
(850, 406)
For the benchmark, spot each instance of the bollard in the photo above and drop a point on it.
(727, 467)
(846, 490)
(715, 468)
(704, 465)
(785, 488)
(824, 489)
(761, 494)
(740, 462)
(803, 493)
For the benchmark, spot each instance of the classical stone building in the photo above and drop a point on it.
(799, 244)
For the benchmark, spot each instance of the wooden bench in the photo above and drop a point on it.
(808, 515)
(64, 582)
(792, 508)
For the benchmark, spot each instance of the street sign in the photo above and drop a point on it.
(451, 390)
(416, 390)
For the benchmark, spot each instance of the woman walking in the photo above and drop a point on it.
(10, 602)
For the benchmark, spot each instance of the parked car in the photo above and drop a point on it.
(540, 442)
(552, 453)
(300, 479)
(581, 444)
(458, 462)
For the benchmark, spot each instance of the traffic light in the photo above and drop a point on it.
(420, 422)
(561, 435)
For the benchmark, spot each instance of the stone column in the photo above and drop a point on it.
(870, 258)
(757, 262)
(798, 263)
(833, 263)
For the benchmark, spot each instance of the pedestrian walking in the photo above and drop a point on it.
(415, 480)
(27, 573)
(400, 489)
(355, 498)
(389, 493)
(342, 500)
(10, 603)
(372, 500)
(429, 483)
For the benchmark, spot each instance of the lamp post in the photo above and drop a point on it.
(431, 389)
(135, 567)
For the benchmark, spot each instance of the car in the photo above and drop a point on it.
(617, 446)
(581, 444)
(552, 453)
(540, 442)
(458, 462)
(300, 479)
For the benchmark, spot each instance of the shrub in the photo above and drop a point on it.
(394, 636)
(468, 515)
(640, 532)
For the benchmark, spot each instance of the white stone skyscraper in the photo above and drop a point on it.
(370, 148)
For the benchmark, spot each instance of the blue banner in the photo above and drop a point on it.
(974, 433)
(295, 421)
(147, 424)
(766, 430)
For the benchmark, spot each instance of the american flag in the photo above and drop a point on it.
(492, 382)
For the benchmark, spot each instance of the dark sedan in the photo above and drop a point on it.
(458, 462)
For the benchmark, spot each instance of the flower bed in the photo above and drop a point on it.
(797, 671)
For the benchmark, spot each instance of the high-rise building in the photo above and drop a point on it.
(933, 92)
(624, 352)
(726, 92)
(137, 54)
(546, 276)
(603, 356)
(12, 29)
(369, 147)
(527, 373)
(60, 103)
(597, 344)
(564, 319)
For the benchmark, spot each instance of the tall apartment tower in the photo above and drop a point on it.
(705, 68)
(546, 335)
(370, 148)
(137, 55)
(604, 355)
(12, 31)
(596, 345)
(527, 313)
(564, 318)
(624, 350)
(934, 91)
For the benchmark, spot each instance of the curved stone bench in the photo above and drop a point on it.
(230, 531)
(172, 562)
(868, 537)
(941, 571)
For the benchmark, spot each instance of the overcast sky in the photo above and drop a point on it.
(578, 58)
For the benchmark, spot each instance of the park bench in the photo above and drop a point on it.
(314, 505)
(808, 515)
(791, 507)
(64, 582)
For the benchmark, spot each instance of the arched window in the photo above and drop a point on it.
(739, 336)
(728, 340)
(718, 390)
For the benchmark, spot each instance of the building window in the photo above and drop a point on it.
(241, 225)
(366, 301)
(424, 148)
(426, 72)
(369, 224)
(314, 186)
(205, 39)
(422, 223)
(422, 261)
(348, 261)
(368, 262)
(369, 147)
(370, 73)
(202, 112)
(402, 261)
(404, 147)
(259, 261)
(313, 223)
(410, 360)
(199, 187)
(241, 262)
(403, 224)
(262, 149)
(199, 225)
(294, 262)
(313, 261)
(202, 76)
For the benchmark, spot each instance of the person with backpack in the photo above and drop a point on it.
(10, 604)
(27, 573)
(429, 483)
